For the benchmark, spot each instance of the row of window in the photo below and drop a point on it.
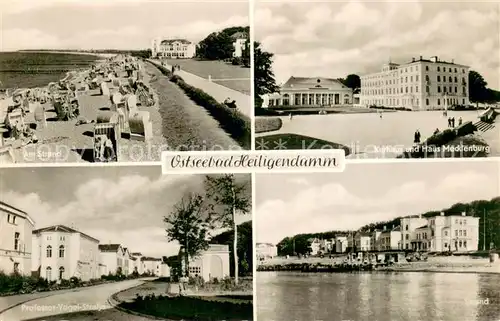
(61, 251)
(171, 48)
(409, 90)
(405, 80)
(48, 273)
(447, 246)
(195, 270)
(11, 219)
(61, 238)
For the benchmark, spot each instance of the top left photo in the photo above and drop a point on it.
(122, 81)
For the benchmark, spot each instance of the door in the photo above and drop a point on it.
(337, 99)
(216, 270)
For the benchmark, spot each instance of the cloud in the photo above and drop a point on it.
(330, 206)
(336, 39)
(29, 38)
(127, 210)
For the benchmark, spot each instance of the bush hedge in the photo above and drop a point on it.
(263, 125)
(232, 121)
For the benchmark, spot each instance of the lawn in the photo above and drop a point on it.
(294, 141)
(193, 308)
(217, 70)
(267, 124)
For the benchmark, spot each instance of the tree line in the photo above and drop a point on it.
(197, 215)
(219, 45)
(488, 212)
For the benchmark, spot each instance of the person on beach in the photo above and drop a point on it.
(449, 122)
(460, 121)
(452, 122)
(291, 116)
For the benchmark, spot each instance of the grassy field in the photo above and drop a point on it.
(267, 124)
(217, 70)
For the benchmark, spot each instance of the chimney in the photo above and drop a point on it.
(453, 61)
(420, 57)
(442, 214)
(434, 59)
(463, 214)
(412, 59)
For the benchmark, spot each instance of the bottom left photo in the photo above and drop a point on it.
(124, 243)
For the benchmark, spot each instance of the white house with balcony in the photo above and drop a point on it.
(16, 227)
(61, 252)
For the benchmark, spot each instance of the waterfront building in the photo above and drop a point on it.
(240, 43)
(113, 258)
(340, 244)
(315, 246)
(421, 84)
(303, 92)
(16, 227)
(362, 241)
(60, 253)
(266, 251)
(212, 263)
(327, 246)
(408, 227)
(173, 48)
(375, 240)
(390, 239)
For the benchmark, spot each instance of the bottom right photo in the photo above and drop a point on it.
(380, 242)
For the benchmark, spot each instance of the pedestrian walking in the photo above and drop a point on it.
(291, 116)
(416, 137)
(460, 121)
(453, 122)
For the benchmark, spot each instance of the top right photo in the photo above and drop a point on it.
(408, 80)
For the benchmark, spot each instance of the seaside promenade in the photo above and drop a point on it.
(219, 92)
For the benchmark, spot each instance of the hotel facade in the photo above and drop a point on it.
(60, 253)
(422, 84)
(173, 48)
(310, 92)
(16, 227)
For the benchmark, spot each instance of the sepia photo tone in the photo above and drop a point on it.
(124, 243)
(379, 79)
(382, 242)
(107, 81)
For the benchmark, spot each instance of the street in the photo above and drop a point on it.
(88, 303)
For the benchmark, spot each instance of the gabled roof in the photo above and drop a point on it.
(62, 229)
(312, 82)
(239, 35)
(13, 210)
(171, 41)
(265, 244)
(109, 247)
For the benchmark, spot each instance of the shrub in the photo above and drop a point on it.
(465, 129)
(441, 138)
(263, 125)
(236, 61)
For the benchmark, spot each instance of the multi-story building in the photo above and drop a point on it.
(375, 240)
(137, 264)
(340, 244)
(310, 92)
(113, 257)
(152, 265)
(362, 241)
(422, 84)
(408, 227)
(60, 252)
(127, 262)
(266, 251)
(240, 43)
(212, 263)
(173, 48)
(315, 246)
(16, 227)
(390, 239)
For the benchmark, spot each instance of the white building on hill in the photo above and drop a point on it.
(266, 251)
(421, 84)
(240, 43)
(16, 227)
(173, 48)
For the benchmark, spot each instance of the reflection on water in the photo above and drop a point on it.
(285, 296)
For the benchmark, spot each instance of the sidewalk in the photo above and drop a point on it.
(219, 92)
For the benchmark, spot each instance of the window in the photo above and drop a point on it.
(456, 233)
(456, 89)
(407, 237)
(439, 101)
(61, 251)
(445, 245)
(61, 273)
(286, 100)
(426, 77)
(460, 244)
(445, 233)
(427, 100)
(8, 218)
(444, 89)
(465, 244)
(465, 232)
(48, 273)
(460, 233)
(16, 242)
(195, 270)
(406, 228)
(16, 268)
(426, 68)
(450, 79)
(439, 69)
(438, 78)
(439, 89)
(455, 69)
(49, 251)
(416, 89)
(416, 77)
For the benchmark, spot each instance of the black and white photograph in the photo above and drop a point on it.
(380, 242)
(379, 79)
(107, 81)
(124, 243)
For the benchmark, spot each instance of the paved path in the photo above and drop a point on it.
(368, 135)
(80, 301)
(219, 92)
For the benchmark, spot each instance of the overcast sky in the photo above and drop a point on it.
(123, 205)
(366, 193)
(116, 24)
(334, 39)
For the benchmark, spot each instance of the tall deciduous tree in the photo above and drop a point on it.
(264, 81)
(477, 87)
(229, 199)
(353, 81)
(189, 224)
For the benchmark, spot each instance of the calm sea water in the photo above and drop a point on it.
(29, 69)
(289, 296)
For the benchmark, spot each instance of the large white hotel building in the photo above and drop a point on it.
(422, 84)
